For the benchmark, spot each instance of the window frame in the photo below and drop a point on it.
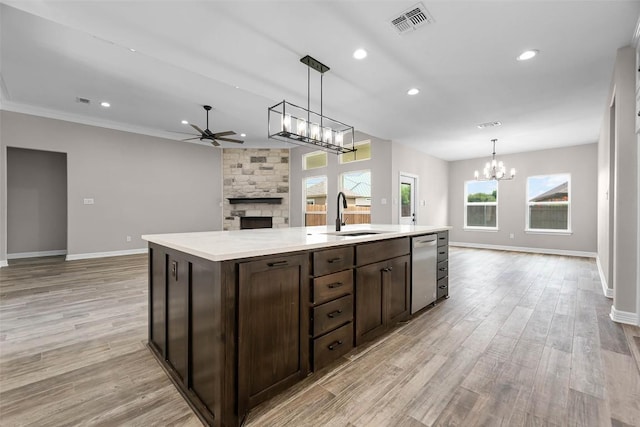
(312, 153)
(528, 205)
(305, 197)
(341, 187)
(363, 142)
(467, 203)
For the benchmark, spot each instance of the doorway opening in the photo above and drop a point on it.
(36, 203)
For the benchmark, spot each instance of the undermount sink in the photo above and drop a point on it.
(355, 233)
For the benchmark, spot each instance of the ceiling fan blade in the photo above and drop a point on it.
(231, 140)
(196, 128)
(184, 133)
(214, 142)
(189, 139)
(225, 133)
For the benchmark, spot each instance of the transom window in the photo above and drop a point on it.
(363, 152)
(314, 160)
(481, 205)
(549, 203)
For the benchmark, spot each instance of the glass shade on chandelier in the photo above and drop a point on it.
(495, 170)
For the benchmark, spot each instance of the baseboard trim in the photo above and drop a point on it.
(564, 252)
(38, 254)
(90, 255)
(606, 290)
(3, 263)
(626, 317)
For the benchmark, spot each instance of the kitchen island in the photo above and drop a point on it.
(236, 317)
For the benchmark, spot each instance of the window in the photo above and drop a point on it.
(314, 160)
(549, 203)
(315, 196)
(363, 153)
(357, 189)
(481, 204)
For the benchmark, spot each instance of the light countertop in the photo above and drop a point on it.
(237, 244)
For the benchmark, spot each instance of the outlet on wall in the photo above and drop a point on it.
(88, 201)
(511, 235)
(128, 238)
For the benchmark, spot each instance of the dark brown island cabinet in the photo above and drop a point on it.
(232, 334)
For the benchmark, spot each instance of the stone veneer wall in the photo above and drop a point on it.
(255, 172)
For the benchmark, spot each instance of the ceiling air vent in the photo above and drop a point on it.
(82, 100)
(489, 125)
(412, 18)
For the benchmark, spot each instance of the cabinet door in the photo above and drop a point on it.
(369, 316)
(396, 289)
(273, 349)
(177, 314)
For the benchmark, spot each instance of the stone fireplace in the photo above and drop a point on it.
(256, 185)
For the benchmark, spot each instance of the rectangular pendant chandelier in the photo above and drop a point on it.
(298, 125)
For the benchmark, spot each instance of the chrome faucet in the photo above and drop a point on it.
(339, 222)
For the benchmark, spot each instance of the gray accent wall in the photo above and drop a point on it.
(579, 161)
(36, 201)
(139, 184)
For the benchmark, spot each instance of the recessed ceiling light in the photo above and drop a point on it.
(105, 104)
(413, 91)
(243, 135)
(360, 54)
(132, 49)
(184, 122)
(527, 54)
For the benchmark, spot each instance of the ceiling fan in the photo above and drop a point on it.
(211, 136)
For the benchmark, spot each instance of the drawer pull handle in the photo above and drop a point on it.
(335, 285)
(443, 268)
(332, 260)
(443, 287)
(334, 313)
(441, 238)
(335, 344)
(387, 269)
(276, 263)
(442, 253)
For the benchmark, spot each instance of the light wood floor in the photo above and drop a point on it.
(523, 340)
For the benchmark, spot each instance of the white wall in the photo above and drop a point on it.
(580, 161)
(140, 184)
(618, 162)
(381, 184)
(433, 184)
(36, 202)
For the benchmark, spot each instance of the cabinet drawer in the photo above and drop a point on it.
(443, 269)
(332, 286)
(368, 253)
(443, 253)
(443, 238)
(332, 314)
(330, 347)
(443, 288)
(332, 260)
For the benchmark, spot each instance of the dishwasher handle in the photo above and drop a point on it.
(426, 241)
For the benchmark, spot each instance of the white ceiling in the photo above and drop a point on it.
(242, 57)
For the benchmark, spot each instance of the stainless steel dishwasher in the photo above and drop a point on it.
(424, 260)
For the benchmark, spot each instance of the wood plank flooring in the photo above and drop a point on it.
(524, 340)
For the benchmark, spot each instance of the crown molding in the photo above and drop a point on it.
(15, 107)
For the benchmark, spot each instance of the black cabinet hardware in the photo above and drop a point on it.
(335, 345)
(277, 263)
(332, 260)
(334, 313)
(334, 285)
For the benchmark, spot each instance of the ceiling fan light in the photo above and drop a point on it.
(413, 91)
(184, 122)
